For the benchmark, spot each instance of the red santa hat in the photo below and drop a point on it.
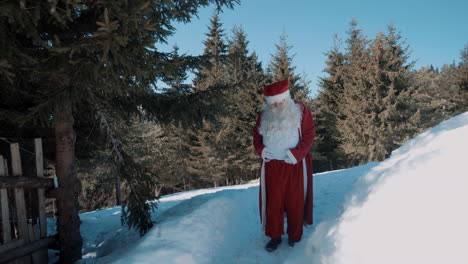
(276, 92)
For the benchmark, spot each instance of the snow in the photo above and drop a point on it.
(410, 208)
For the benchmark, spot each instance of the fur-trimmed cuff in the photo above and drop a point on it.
(291, 156)
(263, 153)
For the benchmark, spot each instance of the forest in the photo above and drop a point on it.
(138, 123)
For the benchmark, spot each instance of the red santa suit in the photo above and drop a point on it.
(285, 187)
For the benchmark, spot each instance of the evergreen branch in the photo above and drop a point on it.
(187, 110)
(135, 208)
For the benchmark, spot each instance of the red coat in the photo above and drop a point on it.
(301, 153)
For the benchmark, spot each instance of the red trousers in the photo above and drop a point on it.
(284, 194)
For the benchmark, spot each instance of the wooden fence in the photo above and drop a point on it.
(23, 227)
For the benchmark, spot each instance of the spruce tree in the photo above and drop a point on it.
(246, 75)
(205, 160)
(328, 103)
(176, 74)
(212, 70)
(281, 67)
(355, 109)
(440, 94)
(220, 153)
(59, 57)
(450, 92)
(204, 152)
(428, 97)
(376, 114)
(462, 81)
(393, 121)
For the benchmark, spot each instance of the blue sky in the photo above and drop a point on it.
(436, 31)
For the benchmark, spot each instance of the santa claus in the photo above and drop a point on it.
(283, 137)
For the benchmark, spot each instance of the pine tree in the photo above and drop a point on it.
(450, 91)
(462, 81)
(221, 151)
(281, 68)
(377, 115)
(176, 74)
(440, 94)
(245, 72)
(354, 111)
(204, 153)
(393, 121)
(204, 159)
(212, 71)
(238, 61)
(60, 57)
(428, 97)
(328, 102)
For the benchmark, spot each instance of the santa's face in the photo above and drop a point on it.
(278, 104)
(278, 108)
(278, 116)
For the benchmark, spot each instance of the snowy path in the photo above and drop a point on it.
(219, 225)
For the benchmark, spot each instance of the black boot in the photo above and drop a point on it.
(273, 244)
(291, 243)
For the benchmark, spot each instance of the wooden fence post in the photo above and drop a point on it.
(21, 216)
(40, 256)
(6, 234)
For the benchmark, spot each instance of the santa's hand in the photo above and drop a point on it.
(267, 155)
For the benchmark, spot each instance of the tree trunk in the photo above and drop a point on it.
(68, 221)
(158, 190)
(118, 194)
(331, 164)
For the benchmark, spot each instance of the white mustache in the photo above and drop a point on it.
(276, 119)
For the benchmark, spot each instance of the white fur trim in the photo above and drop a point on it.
(304, 171)
(291, 156)
(263, 188)
(277, 98)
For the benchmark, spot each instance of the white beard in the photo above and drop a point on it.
(280, 120)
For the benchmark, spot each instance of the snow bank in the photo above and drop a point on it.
(412, 208)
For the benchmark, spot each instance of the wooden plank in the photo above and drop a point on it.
(54, 209)
(15, 159)
(20, 202)
(6, 229)
(26, 182)
(27, 249)
(19, 193)
(8, 236)
(2, 166)
(41, 256)
(5, 216)
(21, 214)
(11, 245)
(6, 167)
(34, 236)
(39, 157)
(31, 232)
(42, 213)
(40, 191)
